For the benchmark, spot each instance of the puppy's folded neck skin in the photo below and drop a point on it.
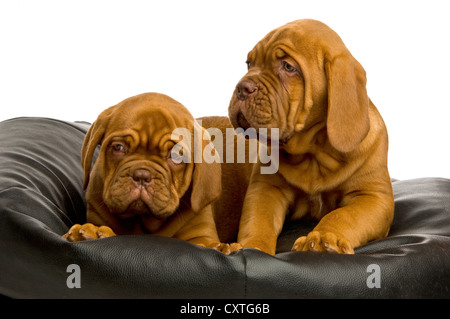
(312, 154)
(303, 141)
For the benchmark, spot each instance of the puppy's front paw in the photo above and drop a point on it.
(325, 242)
(88, 231)
(225, 248)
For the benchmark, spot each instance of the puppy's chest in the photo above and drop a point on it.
(313, 172)
(315, 178)
(315, 206)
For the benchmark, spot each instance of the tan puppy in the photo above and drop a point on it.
(235, 176)
(140, 183)
(333, 142)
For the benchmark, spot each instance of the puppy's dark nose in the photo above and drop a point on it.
(245, 89)
(142, 177)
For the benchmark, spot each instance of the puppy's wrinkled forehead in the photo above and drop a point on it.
(149, 118)
(301, 36)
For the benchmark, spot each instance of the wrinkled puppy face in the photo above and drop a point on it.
(144, 178)
(286, 78)
(138, 172)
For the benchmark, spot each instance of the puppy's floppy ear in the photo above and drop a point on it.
(93, 138)
(348, 103)
(207, 177)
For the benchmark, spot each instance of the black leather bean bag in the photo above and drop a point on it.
(41, 196)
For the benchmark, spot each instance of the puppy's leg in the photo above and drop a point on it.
(365, 217)
(88, 231)
(265, 208)
(201, 230)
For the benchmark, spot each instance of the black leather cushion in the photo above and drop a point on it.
(41, 196)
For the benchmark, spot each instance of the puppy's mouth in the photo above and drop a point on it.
(244, 124)
(136, 207)
(242, 121)
(139, 208)
(142, 201)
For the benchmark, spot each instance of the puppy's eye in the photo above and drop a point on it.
(176, 155)
(288, 67)
(249, 64)
(118, 148)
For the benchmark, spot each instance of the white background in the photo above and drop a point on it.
(71, 59)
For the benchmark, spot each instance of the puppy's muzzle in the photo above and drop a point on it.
(245, 90)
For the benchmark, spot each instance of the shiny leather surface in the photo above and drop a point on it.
(41, 196)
